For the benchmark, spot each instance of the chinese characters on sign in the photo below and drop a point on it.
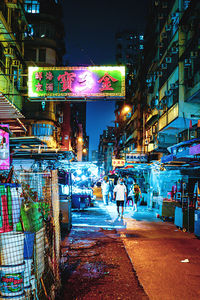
(77, 82)
(118, 163)
(136, 158)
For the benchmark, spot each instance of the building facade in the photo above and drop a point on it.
(106, 148)
(129, 49)
(12, 65)
(172, 75)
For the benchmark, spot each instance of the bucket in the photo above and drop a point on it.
(21, 297)
(39, 251)
(31, 218)
(12, 280)
(27, 273)
(6, 224)
(28, 244)
(11, 248)
(16, 192)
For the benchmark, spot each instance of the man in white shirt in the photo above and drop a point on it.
(120, 195)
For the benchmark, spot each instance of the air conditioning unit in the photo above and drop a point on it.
(164, 35)
(60, 119)
(160, 16)
(164, 5)
(160, 107)
(174, 16)
(194, 54)
(156, 101)
(163, 66)
(192, 134)
(149, 84)
(168, 27)
(174, 50)
(187, 62)
(16, 62)
(152, 139)
(168, 60)
(9, 52)
(168, 93)
(159, 73)
(164, 100)
(173, 86)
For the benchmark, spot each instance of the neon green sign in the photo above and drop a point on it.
(76, 82)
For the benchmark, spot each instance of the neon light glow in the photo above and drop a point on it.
(76, 81)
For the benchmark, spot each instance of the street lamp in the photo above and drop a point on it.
(80, 139)
(84, 151)
(126, 109)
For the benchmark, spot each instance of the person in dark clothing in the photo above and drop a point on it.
(137, 194)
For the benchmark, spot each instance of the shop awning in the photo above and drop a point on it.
(32, 147)
(182, 144)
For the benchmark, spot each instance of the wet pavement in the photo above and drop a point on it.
(95, 264)
(138, 257)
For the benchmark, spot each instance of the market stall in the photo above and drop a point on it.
(29, 224)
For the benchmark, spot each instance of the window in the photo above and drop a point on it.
(32, 6)
(42, 55)
(141, 37)
(30, 54)
(141, 47)
(42, 129)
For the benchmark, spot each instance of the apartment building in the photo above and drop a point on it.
(172, 76)
(12, 26)
(129, 49)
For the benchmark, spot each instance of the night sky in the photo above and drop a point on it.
(90, 28)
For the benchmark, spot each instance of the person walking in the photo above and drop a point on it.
(137, 194)
(105, 187)
(120, 195)
(111, 188)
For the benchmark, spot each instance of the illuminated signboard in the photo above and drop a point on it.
(118, 162)
(4, 148)
(132, 158)
(76, 82)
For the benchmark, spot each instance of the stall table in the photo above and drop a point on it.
(80, 201)
(184, 219)
(167, 209)
(197, 223)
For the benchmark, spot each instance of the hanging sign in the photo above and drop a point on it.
(118, 162)
(4, 148)
(132, 158)
(76, 82)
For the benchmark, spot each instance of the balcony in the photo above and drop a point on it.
(152, 118)
(168, 116)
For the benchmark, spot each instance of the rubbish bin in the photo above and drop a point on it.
(66, 215)
(197, 223)
(184, 218)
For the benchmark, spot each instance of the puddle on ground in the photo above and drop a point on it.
(91, 270)
(86, 244)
